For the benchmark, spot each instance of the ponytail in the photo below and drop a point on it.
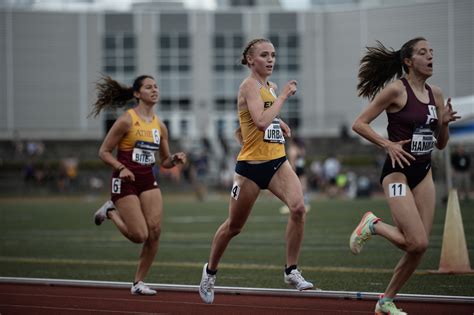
(380, 65)
(110, 94)
(377, 67)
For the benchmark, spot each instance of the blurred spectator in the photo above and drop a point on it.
(68, 171)
(316, 177)
(331, 168)
(198, 168)
(18, 145)
(364, 186)
(297, 158)
(344, 132)
(461, 163)
(34, 148)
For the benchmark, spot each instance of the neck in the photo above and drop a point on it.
(145, 110)
(416, 82)
(261, 79)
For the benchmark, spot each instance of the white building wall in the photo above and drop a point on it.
(49, 62)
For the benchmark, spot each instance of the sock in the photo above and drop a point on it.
(372, 227)
(289, 269)
(135, 283)
(211, 272)
(107, 212)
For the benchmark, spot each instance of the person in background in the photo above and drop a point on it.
(417, 122)
(297, 159)
(136, 205)
(461, 163)
(261, 164)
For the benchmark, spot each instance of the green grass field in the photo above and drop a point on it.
(55, 237)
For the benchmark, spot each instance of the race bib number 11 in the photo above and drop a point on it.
(397, 190)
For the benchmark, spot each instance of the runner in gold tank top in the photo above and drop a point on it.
(136, 205)
(261, 164)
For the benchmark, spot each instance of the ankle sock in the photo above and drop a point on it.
(289, 269)
(211, 272)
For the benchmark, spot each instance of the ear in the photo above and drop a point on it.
(408, 62)
(136, 94)
(249, 60)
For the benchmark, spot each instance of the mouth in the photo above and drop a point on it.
(269, 67)
(430, 65)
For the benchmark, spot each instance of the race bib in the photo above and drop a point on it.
(422, 141)
(144, 152)
(143, 157)
(273, 133)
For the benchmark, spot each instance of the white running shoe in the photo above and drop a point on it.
(206, 288)
(142, 289)
(296, 279)
(101, 214)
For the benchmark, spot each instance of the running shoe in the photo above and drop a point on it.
(206, 288)
(388, 308)
(101, 214)
(142, 289)
(296, 279)
(362, 232)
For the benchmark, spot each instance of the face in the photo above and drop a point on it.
(149, 92)
(422, 59)
(262, 59)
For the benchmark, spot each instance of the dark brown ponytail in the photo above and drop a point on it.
(380, 65)
(113, 94)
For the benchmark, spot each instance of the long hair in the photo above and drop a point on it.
(113, 94)
(381, 64)
(248, 50)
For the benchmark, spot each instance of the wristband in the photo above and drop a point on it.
(120, 168)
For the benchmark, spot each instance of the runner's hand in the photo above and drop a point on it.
(397, 154)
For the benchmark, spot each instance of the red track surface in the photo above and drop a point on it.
(58, 299)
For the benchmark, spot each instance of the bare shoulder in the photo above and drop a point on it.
(437, 93)
(392, 97)
(395, 88)
(247, 83)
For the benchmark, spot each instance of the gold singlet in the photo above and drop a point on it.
(261, 145)
(138, 146)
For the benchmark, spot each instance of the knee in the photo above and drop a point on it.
(297, 211)
(138, 237)
(154, 232)
(418, 246)
(233, 229)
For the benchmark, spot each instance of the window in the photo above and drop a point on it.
(287, 47)
(228, 47)
(174, 52)
(120, 55)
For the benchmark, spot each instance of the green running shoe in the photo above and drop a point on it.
(388, 308)
(362, 232)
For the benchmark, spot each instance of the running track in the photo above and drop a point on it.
(49, 296)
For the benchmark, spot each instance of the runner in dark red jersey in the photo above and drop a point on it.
(417, 123)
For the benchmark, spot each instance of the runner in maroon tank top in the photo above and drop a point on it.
(417, 122)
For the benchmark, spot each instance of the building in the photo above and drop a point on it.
(50, 59)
